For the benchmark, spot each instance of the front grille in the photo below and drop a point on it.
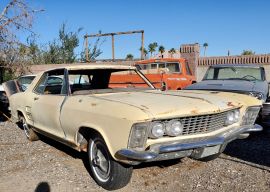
(203, 123)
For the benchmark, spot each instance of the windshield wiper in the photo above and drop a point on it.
(239, 79)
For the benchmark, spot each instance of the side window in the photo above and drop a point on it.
(41, 85)
(153, 66)
(52, 83)
(161, 65)
(174, 67)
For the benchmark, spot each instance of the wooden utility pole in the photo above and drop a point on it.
(142, 47)
(86, 51)
(112, 47)
(112, 35)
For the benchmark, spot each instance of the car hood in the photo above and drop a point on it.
(160, 104)
(228, 85)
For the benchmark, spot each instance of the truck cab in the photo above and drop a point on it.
(167, 73)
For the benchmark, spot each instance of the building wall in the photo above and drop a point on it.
(191, 52)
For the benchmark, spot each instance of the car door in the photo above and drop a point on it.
(48, 98)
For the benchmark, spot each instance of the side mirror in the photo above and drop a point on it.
(163, 71)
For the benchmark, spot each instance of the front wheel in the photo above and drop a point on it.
(108, 173)
(28, 131)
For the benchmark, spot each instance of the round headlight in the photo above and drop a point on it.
(157, 130)
(174, 128)
(232, 117)
(236, 115)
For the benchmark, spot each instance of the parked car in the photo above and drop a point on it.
(246, 79)
(121, 123)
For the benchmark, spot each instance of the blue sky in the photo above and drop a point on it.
(232, 25)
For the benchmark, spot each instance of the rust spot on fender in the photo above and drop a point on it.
(93, 104)
(230, 104)
(194, 111)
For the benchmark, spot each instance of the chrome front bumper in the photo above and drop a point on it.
(186, 148)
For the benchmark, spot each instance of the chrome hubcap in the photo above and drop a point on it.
(25, 128)
(100, 161)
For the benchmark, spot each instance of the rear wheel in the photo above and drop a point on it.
(108, 173)
(28, 131)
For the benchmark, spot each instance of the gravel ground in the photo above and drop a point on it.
(46, 165)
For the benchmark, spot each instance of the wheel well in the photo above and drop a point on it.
(20, 114)
(83, 136)
(179, 88)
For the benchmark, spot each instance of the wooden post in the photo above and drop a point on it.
(142, 50)
(86, 51)
(113, 47)
(113, 34)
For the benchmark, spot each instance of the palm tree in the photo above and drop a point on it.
(129, 57)
(152, 47)
(172, 51)
(161, 49)
(145, 52)
(205, 45)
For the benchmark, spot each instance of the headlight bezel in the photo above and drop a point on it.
(249, 119)
(136, 141)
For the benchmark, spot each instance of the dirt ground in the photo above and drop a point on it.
(46, 165)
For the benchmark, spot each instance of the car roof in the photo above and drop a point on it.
(31, 75)
(236, 65)
(159, 60)
(94, 66)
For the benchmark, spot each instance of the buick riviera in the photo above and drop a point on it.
(121, 124)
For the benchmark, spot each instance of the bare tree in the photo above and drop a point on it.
(17, 16)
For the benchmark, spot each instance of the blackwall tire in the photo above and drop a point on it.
(107, 173)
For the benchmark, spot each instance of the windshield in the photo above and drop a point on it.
(234, 73)
(106, 80)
